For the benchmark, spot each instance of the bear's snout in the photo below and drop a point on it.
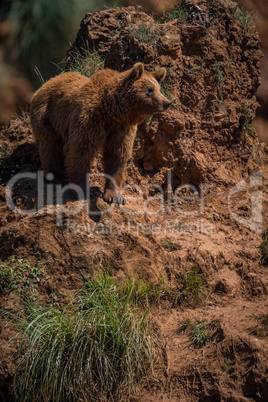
(167, 104)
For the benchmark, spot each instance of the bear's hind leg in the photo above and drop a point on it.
(117, 151)
(77, 164)
(51, 155)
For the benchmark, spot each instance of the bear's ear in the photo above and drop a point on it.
(160, 75)
(136, 71)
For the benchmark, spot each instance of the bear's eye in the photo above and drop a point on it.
(150, 90)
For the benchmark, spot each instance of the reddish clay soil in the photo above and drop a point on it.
(207, 146)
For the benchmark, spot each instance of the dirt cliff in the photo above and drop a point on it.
(258, 9)
(207, 226)
(213, 76)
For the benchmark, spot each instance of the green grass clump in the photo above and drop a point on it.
(191, 287)
(171, 245)
(20, 276)
(194, 285)
(201, 67)
(165, 89)
(86, 64)
(148, 293)
(96, 348)
(180, 12)
(243, 16)
(264, 248)
(145, 33)
(261, 329)
(148, 120)
(218, 76)
(200, 332)
(245, 120)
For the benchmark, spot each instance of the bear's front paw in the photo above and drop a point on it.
(111, 197)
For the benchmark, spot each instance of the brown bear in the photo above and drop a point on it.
(73, 116)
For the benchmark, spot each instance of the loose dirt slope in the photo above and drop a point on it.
(197, 152)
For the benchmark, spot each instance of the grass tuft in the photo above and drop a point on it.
(145, 33)
(86, 64)
(244, 17)
(191, 287)
(180, 12)
(165, 89)
(171, 245)
(201, 67)
(246, 120)
(200, 332)
(218, 76)
(194, 285)
(261, 329)
(97, 348)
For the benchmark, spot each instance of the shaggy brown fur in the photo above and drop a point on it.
(73, 116)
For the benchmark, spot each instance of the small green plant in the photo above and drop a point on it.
(25, 117)
(261, 329)
(130, 163)
(185, 324)
(194, 285)
(246, 120)
(200, 332)
(165, 89)
(86, 63)
(264, 247)
(201, 67)
(148, 121)
(97, 348)
(170, 245)
(20, 276)
(145, 32)
(228, 365)
(180, 12)
(243, 16)
(4, 150)
(218, 76)
(137, 142)
(175, 103)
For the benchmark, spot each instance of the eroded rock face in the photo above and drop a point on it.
(213, 76)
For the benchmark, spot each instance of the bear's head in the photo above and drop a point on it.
(145, 90)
